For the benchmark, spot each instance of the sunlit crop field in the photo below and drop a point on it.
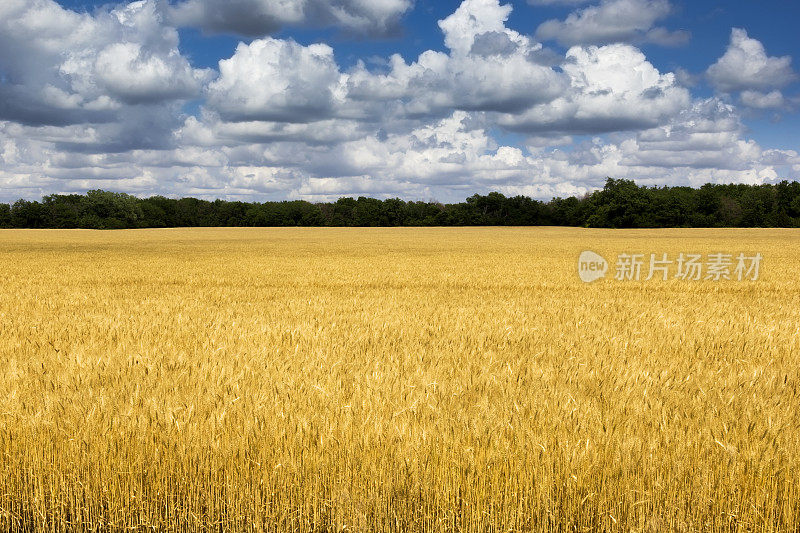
(394, 380)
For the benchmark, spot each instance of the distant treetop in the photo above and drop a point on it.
(620, 204)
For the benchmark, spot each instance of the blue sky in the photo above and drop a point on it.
(274, 99)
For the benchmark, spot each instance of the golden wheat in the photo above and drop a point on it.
(394, 380)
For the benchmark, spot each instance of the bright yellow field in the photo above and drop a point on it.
(394, 380)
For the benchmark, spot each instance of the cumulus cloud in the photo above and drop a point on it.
(96, 100)
(759, 100)
(488, 68)
(211, 131)
(63, 68)
(258, 18)
(746, 66)
(133, 74)
(277, 80)
(437, 83)
(614, 21)
(612, 88)
(493, 69)
(704, 143)
(473, 18)
(448, 160)
(706, 135)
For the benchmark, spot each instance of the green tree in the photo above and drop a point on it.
(5, 216)
(27, 214)
(114, 210)
(621, 204)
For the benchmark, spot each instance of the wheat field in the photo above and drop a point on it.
(403, 379)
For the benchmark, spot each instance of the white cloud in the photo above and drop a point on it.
(134, 75)
(614, 21)
(473, 18)
(259, 18)
(61, 67)
(612, 88)
(703, 144)
(746, 66)
(448, 160)
(213, 132)
(489, 68)
(437, 83)
(706, 135)
(277, 80)
(759, 100)
(90, 101)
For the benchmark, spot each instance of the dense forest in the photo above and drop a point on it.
(620, 204)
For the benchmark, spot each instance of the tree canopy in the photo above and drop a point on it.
(620, 204)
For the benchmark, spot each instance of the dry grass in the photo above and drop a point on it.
(394, 380)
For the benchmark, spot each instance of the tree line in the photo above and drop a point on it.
(620, 204)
